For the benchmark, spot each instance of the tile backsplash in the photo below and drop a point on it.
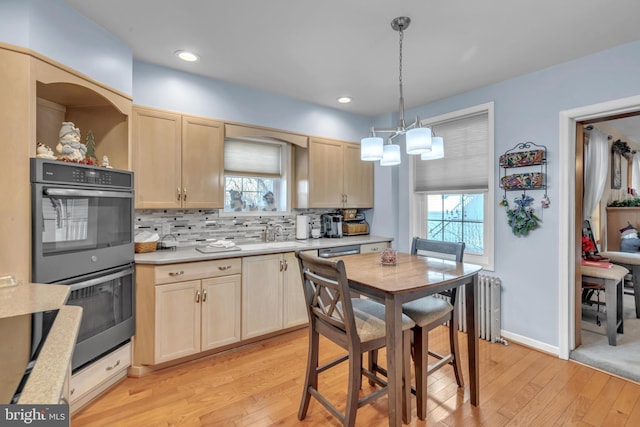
(197, 226)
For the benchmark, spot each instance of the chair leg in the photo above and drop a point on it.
(420, 351)
(455, 349)
(355, 379)
(372, 363)
(311, 380)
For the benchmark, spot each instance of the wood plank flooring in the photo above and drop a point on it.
(261, 384)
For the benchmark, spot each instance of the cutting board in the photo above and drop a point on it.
(211, 249)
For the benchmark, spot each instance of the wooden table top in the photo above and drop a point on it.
(411, 272)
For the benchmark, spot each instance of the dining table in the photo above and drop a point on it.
(410, 278)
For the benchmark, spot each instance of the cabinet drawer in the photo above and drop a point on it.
(172, 273)
(373, 247)
(95, 374)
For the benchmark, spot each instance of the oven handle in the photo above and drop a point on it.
(85, 193)
(98, 280)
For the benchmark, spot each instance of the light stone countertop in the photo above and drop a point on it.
(187, 254)
(47, 379)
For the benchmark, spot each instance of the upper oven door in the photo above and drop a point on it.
(79, 230)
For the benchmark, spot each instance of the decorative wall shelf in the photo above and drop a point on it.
(522, 218)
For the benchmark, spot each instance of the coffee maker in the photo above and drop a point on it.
(332, 224)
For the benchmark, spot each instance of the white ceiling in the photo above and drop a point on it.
(316, 51)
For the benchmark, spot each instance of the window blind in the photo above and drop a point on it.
(465, 165)
(250, 158)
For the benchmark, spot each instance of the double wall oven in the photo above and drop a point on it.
(82, 236)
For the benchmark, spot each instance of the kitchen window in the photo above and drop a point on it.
(452, 198)
(256, 177)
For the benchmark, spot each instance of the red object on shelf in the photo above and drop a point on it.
(599, 264)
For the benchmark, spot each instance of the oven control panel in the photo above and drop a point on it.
(48, 171)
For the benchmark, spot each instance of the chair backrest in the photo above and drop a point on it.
(326, 292)
(453, 251)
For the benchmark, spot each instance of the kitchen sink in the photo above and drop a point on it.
(271, 245)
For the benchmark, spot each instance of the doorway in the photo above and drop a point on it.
(570, 156)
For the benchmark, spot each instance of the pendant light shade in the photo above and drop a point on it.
(418, 140)
(391, 155)
(437, 149)
(371, 148)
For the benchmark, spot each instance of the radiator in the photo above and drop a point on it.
(488, 309)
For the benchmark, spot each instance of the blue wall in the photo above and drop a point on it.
(526, 109)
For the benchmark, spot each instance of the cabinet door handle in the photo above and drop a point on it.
(184, 194)
(281, 266)
(110, 368)
(176, 273)
(179, 193)
(204, 295)
(286, 265)
(198, 296)
(224, 267)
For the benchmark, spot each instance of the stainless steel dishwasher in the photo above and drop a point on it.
(339, 251)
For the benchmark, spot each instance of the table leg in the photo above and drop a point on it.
(620, 306)
(393, 315)
(611, 301)
(635, 272)
(472, 341)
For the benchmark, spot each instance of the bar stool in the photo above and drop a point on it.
(356, 325)
(429, 313)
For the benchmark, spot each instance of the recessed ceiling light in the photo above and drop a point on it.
(186, 56)
(344, 99)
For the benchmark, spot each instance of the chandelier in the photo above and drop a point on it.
(418, 139)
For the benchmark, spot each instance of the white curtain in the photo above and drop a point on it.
(596, 167)
(635, 173)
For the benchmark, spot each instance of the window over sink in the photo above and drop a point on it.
(256, 177)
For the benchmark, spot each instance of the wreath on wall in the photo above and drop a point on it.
(521, 219)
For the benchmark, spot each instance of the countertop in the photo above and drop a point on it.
(190, 253)
(47, 379)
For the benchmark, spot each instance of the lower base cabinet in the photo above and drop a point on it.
(186, 308)
(92, 380)
(272, 295)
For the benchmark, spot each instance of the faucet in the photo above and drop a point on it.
(277, 231)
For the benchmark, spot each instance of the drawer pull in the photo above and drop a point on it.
(176, 273)
(224, 267)
(110, 368)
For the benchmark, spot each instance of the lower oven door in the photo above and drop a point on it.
(107, 301)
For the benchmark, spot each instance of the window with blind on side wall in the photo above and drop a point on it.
(452, 198)
(255, 174)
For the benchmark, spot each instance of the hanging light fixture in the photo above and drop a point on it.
(437, 149)
(417, 138)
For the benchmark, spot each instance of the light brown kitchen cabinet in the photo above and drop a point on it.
(186, 308)
(178, 160)
(295, 308)
(272, 297)
(373, 247)
(334, 176)
(31, 81)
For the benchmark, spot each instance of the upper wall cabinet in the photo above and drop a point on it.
(178, 160)
(330, 174)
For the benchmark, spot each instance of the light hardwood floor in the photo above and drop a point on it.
(261, 385)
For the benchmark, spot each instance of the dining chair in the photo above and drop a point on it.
(357, 325)
(429, 313)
